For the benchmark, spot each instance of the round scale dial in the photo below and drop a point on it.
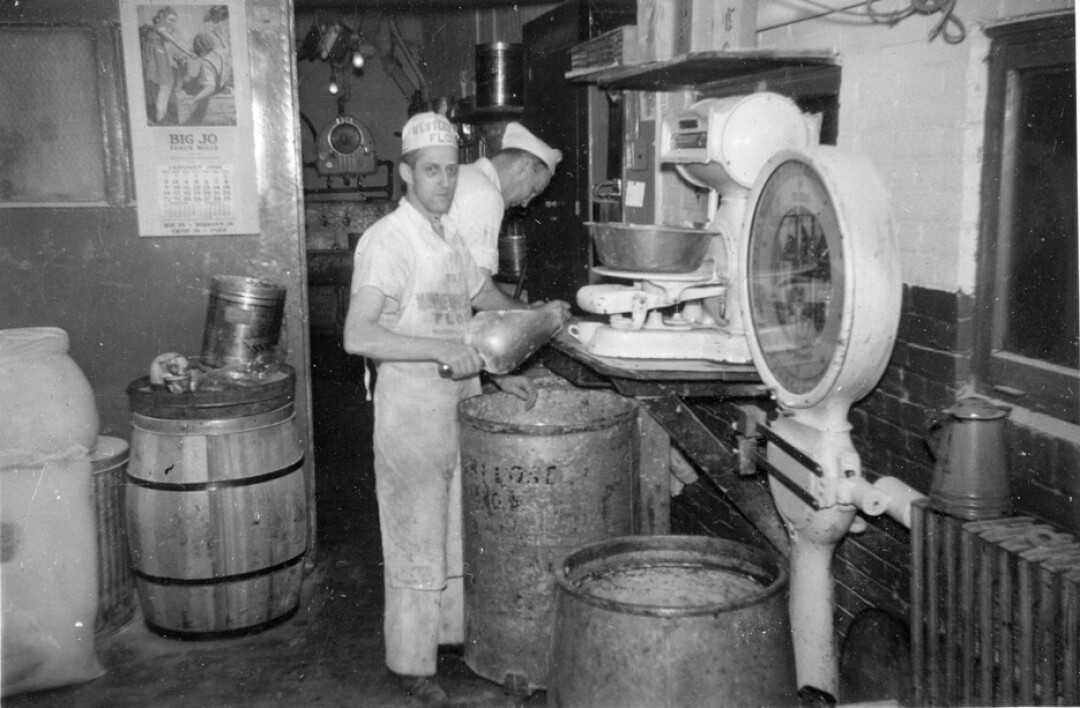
(796, 270)
(821, 296)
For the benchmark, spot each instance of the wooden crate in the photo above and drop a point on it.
(616, 48)
(714, 25)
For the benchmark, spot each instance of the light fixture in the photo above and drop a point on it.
(358, 60)
(333, 88)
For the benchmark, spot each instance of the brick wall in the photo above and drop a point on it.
(929, 370)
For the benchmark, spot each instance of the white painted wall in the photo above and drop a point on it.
(915, 108)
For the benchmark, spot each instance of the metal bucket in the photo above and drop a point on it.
(116, 581)
(535, 485)
(671, 621)
(512, 248)
(500, 79)
(243, 321)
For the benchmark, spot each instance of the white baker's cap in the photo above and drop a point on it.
(517, 136)
(427, 130)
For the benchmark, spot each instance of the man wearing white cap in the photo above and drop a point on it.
(518, 172)
(413, 291)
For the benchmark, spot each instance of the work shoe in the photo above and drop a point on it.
(425, 689)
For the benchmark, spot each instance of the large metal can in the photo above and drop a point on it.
(535, 485)
(243, 321)
(688, 621)
(499, 75)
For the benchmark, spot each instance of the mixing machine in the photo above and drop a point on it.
(677, 293)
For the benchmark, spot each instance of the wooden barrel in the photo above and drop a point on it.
(116, 583)
(217, 520)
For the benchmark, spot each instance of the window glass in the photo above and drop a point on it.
(51, 139)
(1039, 269)
(1028, 318)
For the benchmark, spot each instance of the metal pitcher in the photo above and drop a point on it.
(971, 476)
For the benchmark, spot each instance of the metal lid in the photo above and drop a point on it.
(227, 399)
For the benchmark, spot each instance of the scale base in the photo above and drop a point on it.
(701, 343)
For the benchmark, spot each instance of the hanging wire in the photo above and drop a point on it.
(949, 27)
(333, 87)
(946, 8)
(357, 58)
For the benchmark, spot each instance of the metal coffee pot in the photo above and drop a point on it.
(971, 476)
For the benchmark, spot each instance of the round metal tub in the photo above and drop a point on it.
(671, 621)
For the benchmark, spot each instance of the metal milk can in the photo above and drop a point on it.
(971, 476)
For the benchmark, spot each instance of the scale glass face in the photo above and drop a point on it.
(796, 277)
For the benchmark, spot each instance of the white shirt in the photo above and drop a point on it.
(429, 281)
(477, 211)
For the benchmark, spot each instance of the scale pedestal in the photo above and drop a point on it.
(822, 297)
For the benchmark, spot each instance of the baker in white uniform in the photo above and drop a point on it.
(413, 292)
(516, 174)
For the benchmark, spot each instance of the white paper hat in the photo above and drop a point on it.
(427, 130)
(517, 136)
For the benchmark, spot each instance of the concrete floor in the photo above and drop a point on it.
(331, 652)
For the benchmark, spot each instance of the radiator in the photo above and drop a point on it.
(995, 612)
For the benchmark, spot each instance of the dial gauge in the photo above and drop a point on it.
(346, 138)
(796, 277)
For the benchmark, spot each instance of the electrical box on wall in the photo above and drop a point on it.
(639, 178)
(653, 194)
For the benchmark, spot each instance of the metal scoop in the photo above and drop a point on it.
(506, 338)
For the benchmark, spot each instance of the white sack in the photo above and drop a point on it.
(48, 571)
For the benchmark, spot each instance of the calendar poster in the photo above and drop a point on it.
(192, 133)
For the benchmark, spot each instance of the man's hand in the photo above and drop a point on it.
(462, 360)
(558, 306)
(520, 386)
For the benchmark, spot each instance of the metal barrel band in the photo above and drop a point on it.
(216, 484)
(222, 579)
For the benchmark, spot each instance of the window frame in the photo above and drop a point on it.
(1029, 383)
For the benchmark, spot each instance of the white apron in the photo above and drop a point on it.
(418, 472)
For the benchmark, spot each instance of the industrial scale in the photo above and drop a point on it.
(801, 277)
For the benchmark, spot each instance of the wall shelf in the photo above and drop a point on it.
(698, 69)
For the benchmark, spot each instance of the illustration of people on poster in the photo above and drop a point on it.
(190, 104)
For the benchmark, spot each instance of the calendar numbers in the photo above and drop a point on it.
(200, 197)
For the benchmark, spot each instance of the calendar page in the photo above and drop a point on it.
(189, 88)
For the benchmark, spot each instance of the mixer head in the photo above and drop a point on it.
(723, 143)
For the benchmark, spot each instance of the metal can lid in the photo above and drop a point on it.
(977, 408)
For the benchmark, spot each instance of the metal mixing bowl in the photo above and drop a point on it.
(649, 249)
